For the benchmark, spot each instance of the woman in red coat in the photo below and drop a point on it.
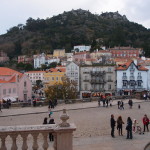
(145, 122)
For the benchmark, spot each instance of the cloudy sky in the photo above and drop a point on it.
(14, 12)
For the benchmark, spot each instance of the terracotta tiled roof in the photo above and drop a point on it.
(7, 71)
(35, 72)
(3, 81)
(57, 70)
(80, 53)
(127, 64)
(13, 79)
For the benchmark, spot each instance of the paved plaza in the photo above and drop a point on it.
(92, 122)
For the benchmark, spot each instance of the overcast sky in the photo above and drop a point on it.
(14, 12)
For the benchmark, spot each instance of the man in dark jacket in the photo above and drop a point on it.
(112, 124)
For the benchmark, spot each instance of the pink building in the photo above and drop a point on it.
(81, 56)
(3, 57)
(25, 59)
(14, 85)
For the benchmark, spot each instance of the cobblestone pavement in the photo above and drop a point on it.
(93, 123)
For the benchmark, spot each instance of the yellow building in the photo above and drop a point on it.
(59, 53)
(53, 76)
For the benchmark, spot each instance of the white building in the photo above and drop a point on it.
(81, 48)
(72, 72)
(39, 60)
(131, 77)
(42, 59)
(35, 75)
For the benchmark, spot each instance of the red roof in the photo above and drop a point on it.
(35, 72)
(3, 81)
(126, 65)
(7, 71)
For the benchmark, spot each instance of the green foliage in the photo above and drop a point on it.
(25, 67)
(72, 28)
(64, 90)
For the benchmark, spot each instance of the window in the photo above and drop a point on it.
(109, 86)
(14, 90)
(4, 91)
(56, 78)
(9, 90)
(139, 83)
(53, 78)
(109, 78)
(85, 87)
(124, 73)
(109, 69)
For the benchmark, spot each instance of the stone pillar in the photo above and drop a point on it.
(64, 131)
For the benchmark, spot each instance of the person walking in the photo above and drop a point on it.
(119, 125)
(121, 105)
(118, 104)
(112, 124)
(129, 128)
(49, 111)
(145, 122)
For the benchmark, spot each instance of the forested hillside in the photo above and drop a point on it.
(73, 28)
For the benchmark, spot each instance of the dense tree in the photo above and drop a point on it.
(64, 90)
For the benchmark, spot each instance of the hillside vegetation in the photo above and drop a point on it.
(73, 28)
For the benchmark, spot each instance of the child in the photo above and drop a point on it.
(136, 127)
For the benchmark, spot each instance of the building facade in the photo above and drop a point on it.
(97, 79)
(14, 84)
(81, 48)
(131, 77)
(35, 75)
(3, 57)
(59, 53)
(53, 76)
(126, 52)
(72, 72)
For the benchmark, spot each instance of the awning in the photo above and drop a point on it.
(11, 98)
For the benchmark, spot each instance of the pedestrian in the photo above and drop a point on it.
(107, 102)
(49, 111)
(139, 106)
(51, 136)
(121, 105)
(99, 101)
(136, 127)
(118, 104)
(119, 125)
(112, 124)
(0, 106)
(45, 120)
(129, 128)
(145, 122)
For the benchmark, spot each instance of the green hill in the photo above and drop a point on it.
(73, 28)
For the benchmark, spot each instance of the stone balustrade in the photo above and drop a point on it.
(63, 135)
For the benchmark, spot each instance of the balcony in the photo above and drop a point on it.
(20, 136)
(139, 78)
(94, 81)
(124, 78)
(97, 73)
(86, 72)
(86, 80)
(132, 78)
(109, 80)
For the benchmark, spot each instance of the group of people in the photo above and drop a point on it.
(120, 105)
(51, 121)
(106, 101)
(131, 126)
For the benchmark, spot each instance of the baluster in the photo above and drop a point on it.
(24, 137)
(35, 145)
(45, 144)
(55, 141)
(14, 145)
(3, 146)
